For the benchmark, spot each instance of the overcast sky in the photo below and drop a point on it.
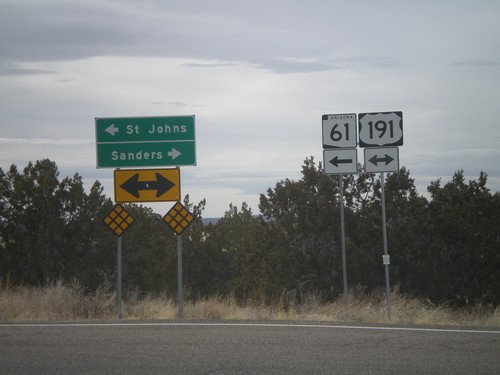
(258, 76)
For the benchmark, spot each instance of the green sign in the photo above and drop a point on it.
(145, 141)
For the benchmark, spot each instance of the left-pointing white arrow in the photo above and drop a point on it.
(112, 129)
(174, 153)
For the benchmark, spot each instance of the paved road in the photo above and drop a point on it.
(204, 348)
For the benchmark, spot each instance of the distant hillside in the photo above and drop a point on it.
(215, 220)
(209, 220)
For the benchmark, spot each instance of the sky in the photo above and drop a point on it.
(258, 76)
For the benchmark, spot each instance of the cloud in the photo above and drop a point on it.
(321, 64)
(45, 141)
(476, 63)
(177, 104)
(53, 30)
(19, 70)
(74, 153)
(258, 76)
(209, 64)
(65, 80)
(220, 36)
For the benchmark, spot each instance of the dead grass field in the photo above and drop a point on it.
(59, 302)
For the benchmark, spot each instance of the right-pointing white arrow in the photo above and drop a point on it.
(174, 153)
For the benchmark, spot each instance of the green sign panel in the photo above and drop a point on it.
(145, 141)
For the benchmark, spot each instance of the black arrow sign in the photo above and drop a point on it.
(336, 161)
(375, 160)
(133, 185)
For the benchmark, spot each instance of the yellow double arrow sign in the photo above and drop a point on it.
(147, 185)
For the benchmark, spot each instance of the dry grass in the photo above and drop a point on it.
(161, 307)
(56, 302)
(59, 302)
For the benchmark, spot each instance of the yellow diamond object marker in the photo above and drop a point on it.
(118, 220)
(178, 218)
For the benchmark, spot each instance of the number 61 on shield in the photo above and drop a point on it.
(339, 131)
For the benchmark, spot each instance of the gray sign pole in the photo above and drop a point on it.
(386, 255)
(342, 239)
(119, 276)
(179, 276)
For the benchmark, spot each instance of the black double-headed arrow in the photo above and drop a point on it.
(336, 161)
(161, 185)
(375, 160)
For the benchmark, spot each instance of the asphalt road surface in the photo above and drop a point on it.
(244, 348)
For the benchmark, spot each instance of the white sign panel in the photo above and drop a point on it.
(339, 131)
(340, 161)
(381, 159)
(380, 129)
(386, 259)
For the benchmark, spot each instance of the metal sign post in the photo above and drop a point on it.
(179, 277)
(118, 221)
(178, 219)
(380, 133)
(340, 157)
(123, 142)
(386, 255)
(119, 277)
(342, 240)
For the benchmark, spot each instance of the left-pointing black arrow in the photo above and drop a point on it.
(336, 161)
(161, 185)
(375, 160)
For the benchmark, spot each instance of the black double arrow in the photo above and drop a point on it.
(375, 160)
(161, 185)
